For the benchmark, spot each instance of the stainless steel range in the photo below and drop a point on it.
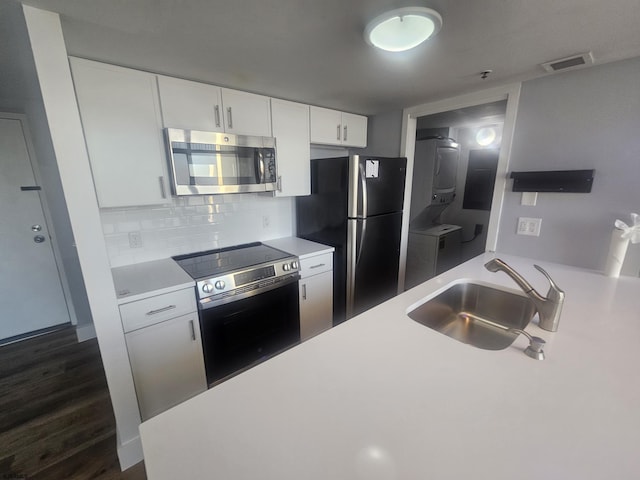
(248, 305)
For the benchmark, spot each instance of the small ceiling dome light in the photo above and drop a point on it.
(403, 28)
(486, 136)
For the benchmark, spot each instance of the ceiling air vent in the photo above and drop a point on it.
(569, 63)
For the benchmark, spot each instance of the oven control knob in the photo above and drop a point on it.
(294, 265)
(219, 285)
(207, 288)
(286, 267)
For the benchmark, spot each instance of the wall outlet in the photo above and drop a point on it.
(529, 226)
(135, 239)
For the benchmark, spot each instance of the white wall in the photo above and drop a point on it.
(383, 135)
(20, 93)
(58, 96)
(192, 224)
(578, 120)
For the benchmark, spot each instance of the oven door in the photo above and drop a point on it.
(242, 333)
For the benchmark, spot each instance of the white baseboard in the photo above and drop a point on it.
(130, 453)
(85, 332)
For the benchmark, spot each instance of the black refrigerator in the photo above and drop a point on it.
(356, 206)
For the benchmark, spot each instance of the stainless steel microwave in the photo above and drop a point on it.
(205, 163)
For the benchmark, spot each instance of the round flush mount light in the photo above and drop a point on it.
(403, 28)
(487, 136)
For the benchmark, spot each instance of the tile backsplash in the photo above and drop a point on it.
(192, 224)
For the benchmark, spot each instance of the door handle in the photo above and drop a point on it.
(304, 291)
(363, 189)
(36, 228)
(39, 239)
(338, 135)
(362, 233)
(229, 117)
(216, 111)
(259, 167)
(344, 137)
(193, 330)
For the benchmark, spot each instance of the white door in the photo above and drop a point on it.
(30, 290)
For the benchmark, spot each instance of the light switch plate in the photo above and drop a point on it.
(529, 226)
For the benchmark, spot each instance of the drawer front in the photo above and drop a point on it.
(157, 309)
(316, 264)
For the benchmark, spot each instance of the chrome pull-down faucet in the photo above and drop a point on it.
(549, 307)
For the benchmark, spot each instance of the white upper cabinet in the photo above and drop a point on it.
(354, 130)
(123, 131)
(246, 113)
(290, 123)
(190, 105)
(199, 106)
(332, 127)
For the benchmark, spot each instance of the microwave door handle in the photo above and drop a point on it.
(259, 164)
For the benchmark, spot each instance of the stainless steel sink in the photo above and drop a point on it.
(477, 314)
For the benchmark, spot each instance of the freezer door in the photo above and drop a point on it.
(373, 257)
(376, 185)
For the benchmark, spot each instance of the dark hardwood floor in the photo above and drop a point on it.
(56, 419)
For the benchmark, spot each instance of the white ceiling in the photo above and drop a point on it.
(313, 50)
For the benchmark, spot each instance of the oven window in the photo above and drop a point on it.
(248, 331)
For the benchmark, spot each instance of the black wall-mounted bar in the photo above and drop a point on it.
(563, 181)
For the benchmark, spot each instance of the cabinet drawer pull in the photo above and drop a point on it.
(160, 310)
(338, 136)
(193, 330)
(304, 291)
(229, 117)
(216, 110)
(317, 266)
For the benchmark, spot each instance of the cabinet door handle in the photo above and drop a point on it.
(338, 135)
(229, 117)
(193, 330)
(317, 266)
(216, 110)
(304, 291)
(344, 137)
(160, 310)
(162, 189)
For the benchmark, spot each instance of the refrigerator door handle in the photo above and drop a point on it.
(363, 190)
(361, 239)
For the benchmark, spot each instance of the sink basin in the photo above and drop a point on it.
(476, 314)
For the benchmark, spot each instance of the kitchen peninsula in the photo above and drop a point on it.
(383, 397)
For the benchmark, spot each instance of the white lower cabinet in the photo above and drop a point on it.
(316, 295)
(165, 350)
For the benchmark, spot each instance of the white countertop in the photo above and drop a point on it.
(383, 397)
(138, 281)
(299, 246)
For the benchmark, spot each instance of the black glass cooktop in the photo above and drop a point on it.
(212, 263)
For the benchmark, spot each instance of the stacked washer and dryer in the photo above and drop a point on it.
(432, 247)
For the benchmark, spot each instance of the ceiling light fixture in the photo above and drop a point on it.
(403, 28)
